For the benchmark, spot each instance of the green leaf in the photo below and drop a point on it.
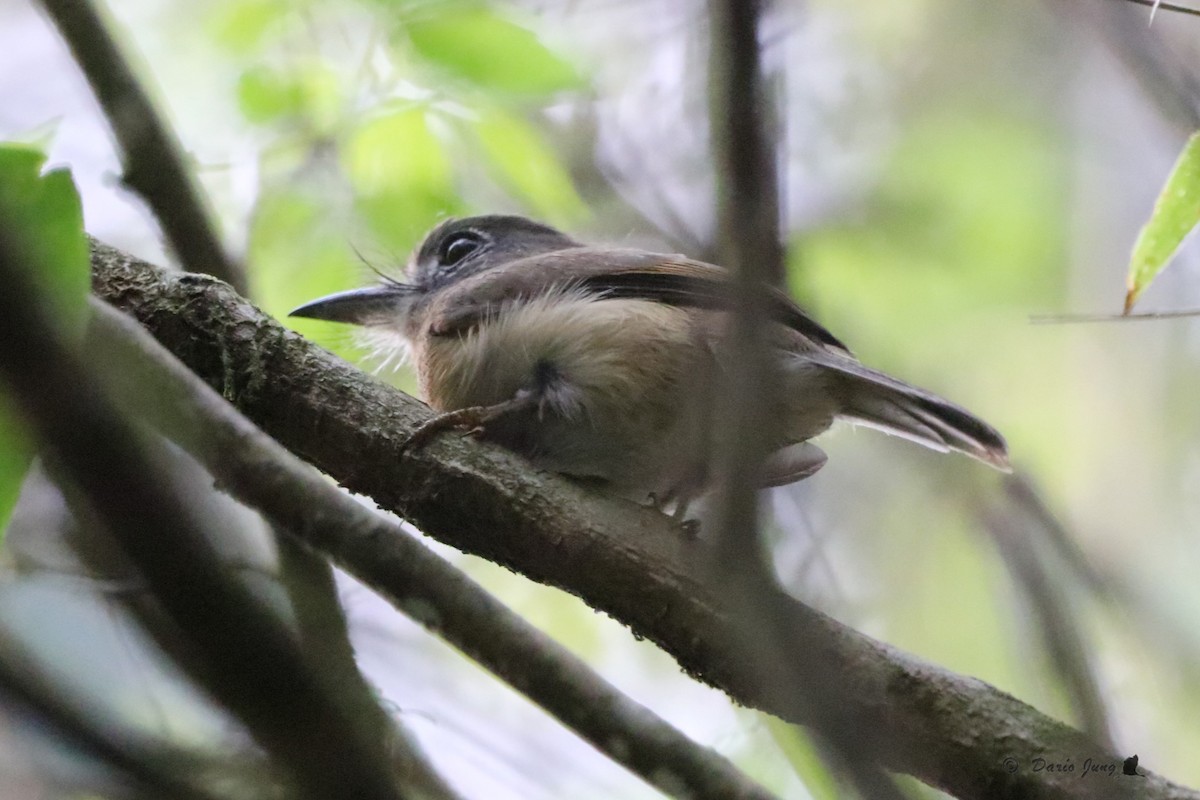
(402, 176)
(303, 247)
(16, 453)
(312, 91)
(528, 166)
(242, 26)
(44, 211)
(1176, 213)
(265, 95)
(476, 45)
(300, 251)
(395, 149)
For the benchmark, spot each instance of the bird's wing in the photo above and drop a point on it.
(612, 274)
(680, 281)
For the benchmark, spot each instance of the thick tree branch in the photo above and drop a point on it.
(952, 732)
(261, 473)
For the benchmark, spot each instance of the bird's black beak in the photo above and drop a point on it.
(373, 305)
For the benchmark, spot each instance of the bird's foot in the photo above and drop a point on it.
(472, 420)
(678, 514)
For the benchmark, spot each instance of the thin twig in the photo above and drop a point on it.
(1170, 82)
(258, 672)
(153, 163)
(1015, 538)
(1161, 631)
(260, 472)
(1067, 319)
(1158, 5)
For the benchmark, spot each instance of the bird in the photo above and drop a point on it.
(597, 362)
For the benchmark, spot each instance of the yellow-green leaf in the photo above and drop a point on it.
(241, 26)
(527, 165)
(401, 174)
(477, 45)
(395, 149)
(265, 95)
(1176, 213)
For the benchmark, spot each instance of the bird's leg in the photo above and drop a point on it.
(546, 391)
(472, 419)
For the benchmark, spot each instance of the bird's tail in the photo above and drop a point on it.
(871, 398)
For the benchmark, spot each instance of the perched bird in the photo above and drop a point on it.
(597, 362)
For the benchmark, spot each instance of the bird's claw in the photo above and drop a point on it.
(472, 419)
(689, 527)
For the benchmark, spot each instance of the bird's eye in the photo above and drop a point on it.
(458, 247)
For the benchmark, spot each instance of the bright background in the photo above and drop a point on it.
(952, 169)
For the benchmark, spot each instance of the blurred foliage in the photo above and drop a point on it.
(951, 168)
(43, 211)
(797, 747)
(967, 218)
(438, 107)
(470, 41)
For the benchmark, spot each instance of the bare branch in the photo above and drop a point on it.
(1170, 82)
(749, 245)
(748, 214)
(1065, 319)
(1158, 5)
(154, 166)
(155, 169)
(325, 638)
(261, 473)
(152, 771)
(1014, 536)
(257, 669)
(952, 732)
